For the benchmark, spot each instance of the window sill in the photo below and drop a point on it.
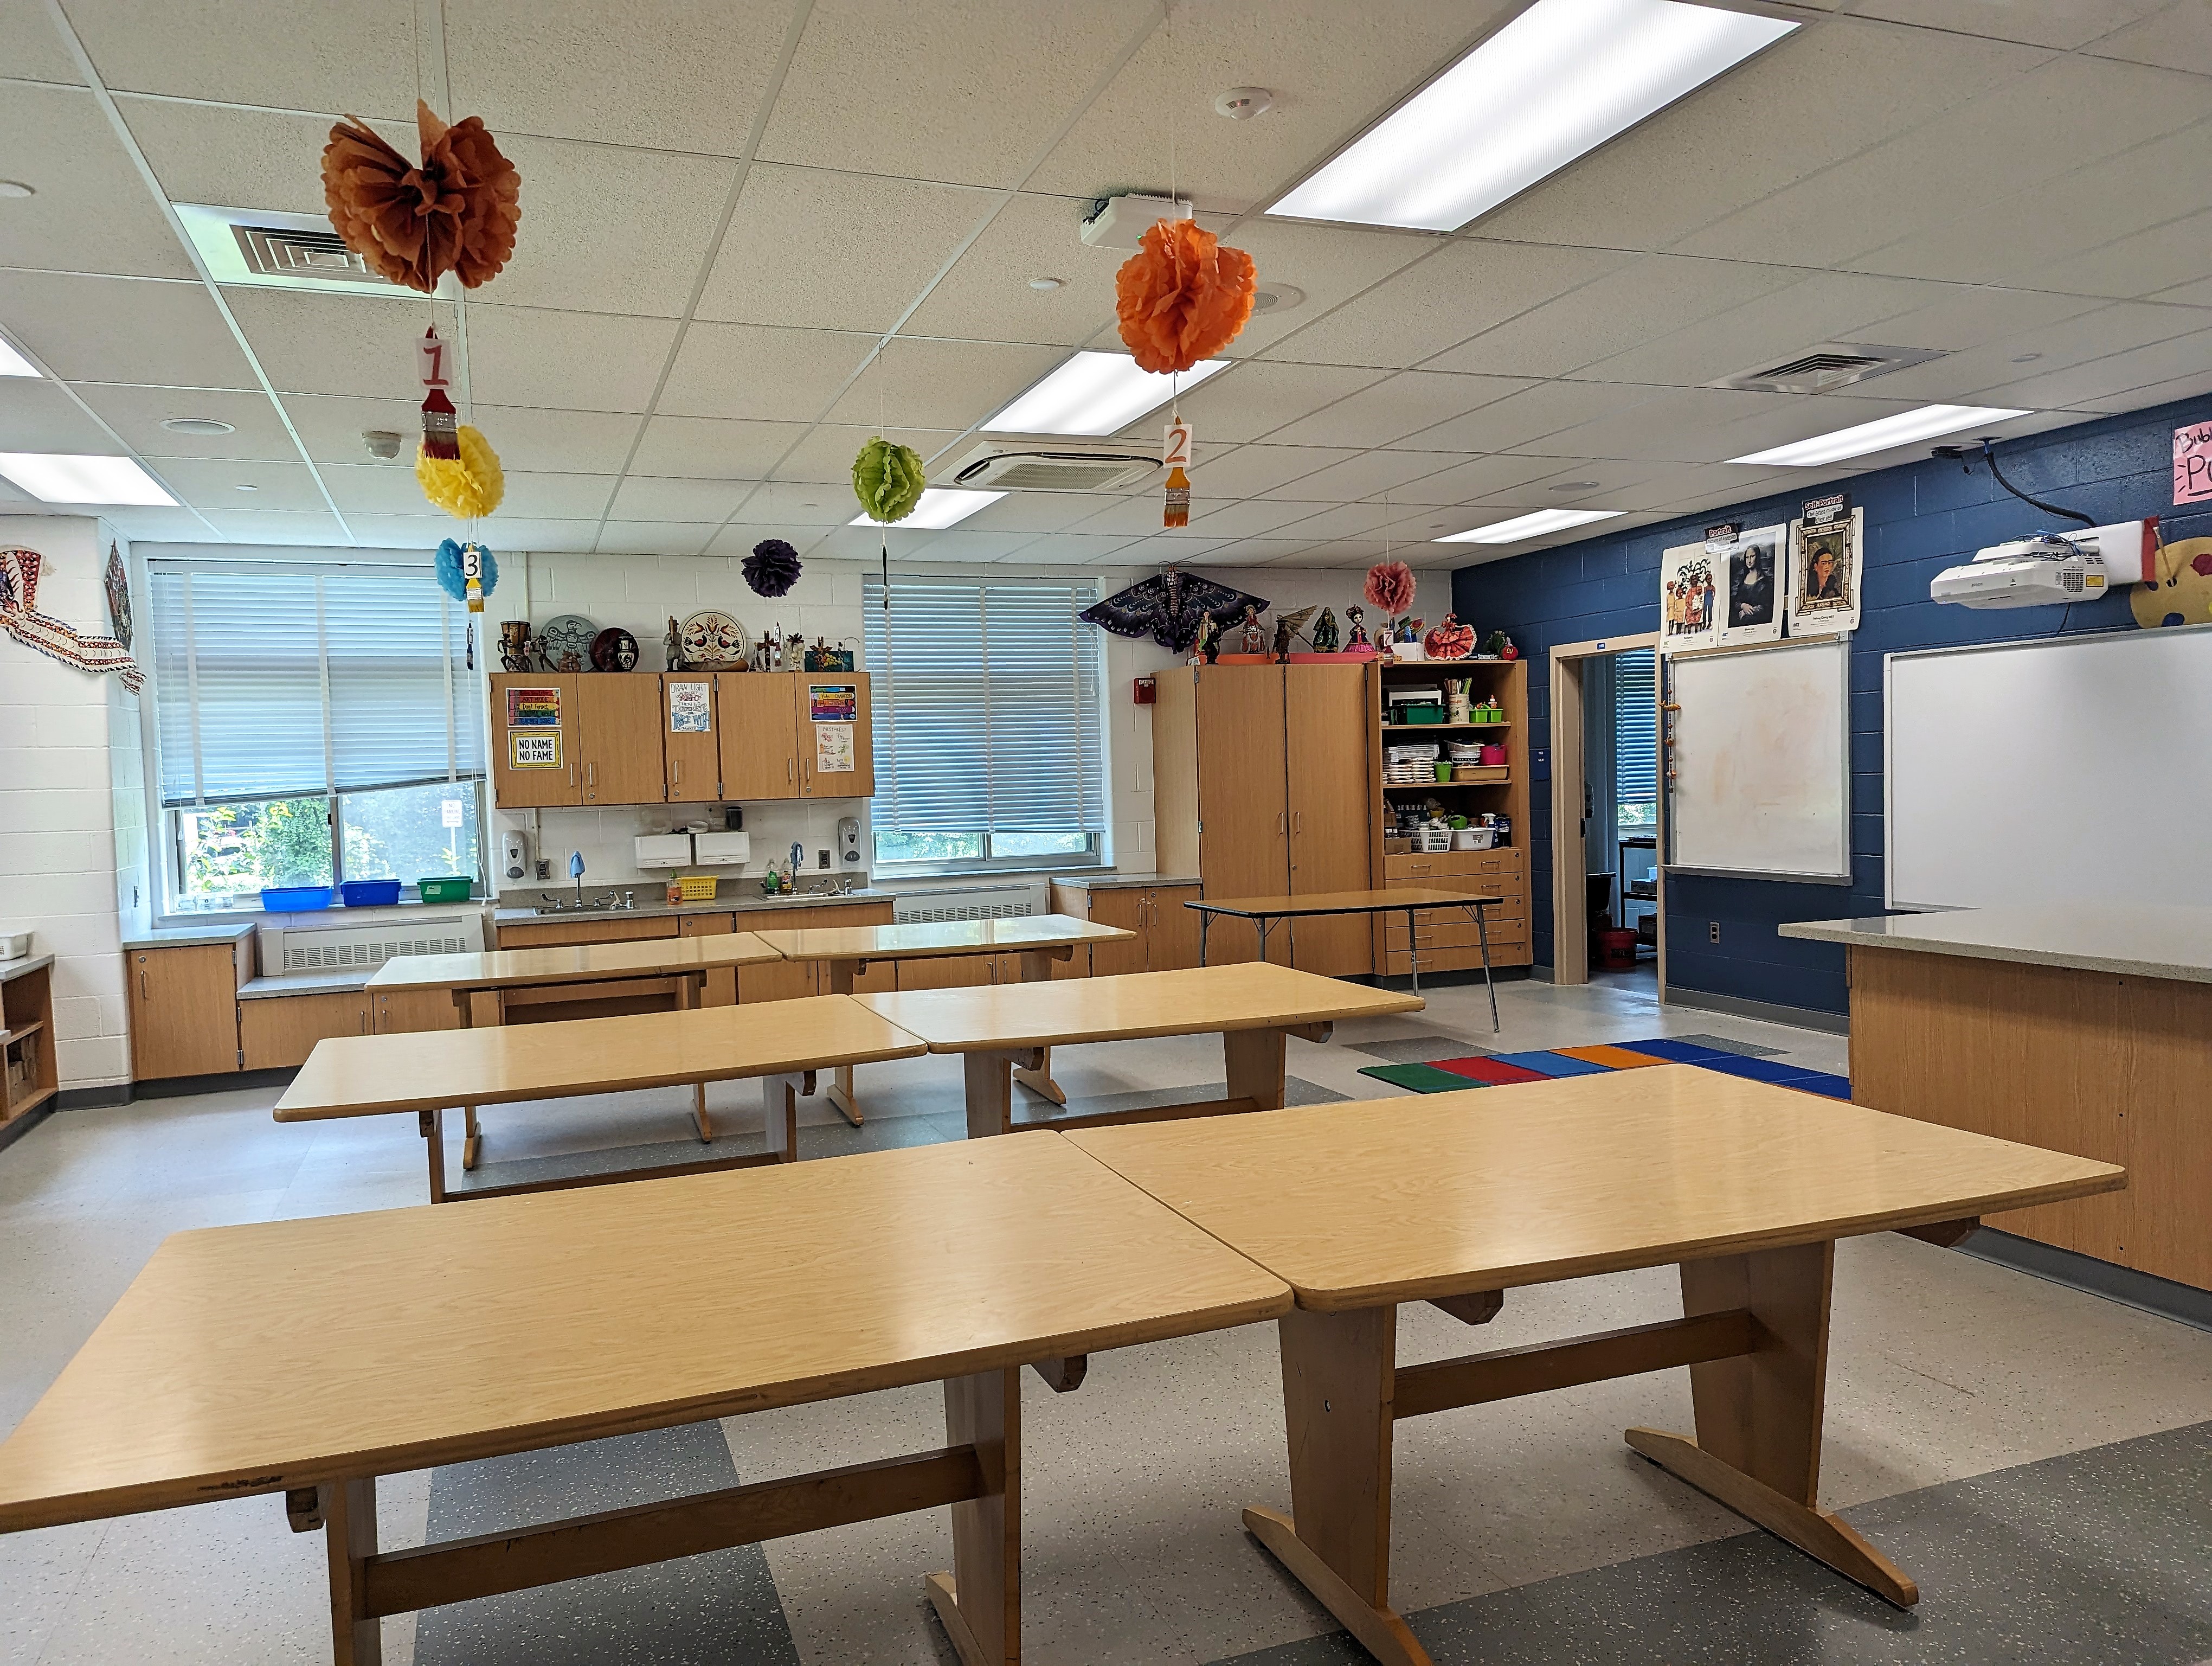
(891, 874)
(239, 913)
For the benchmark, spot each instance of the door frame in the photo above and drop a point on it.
(1569, 894)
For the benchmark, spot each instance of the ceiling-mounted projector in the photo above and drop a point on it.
(2052, 568)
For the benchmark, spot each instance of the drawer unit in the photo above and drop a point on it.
(618, 928)
(1441, 867)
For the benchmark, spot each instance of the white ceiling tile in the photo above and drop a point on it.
(554, 496)
(1332, 67)
(1347, 520)
(994, 77)
(551, 536)
(644, 497)
(1329, 263)
(942, 384)
(553, 441)
(157, 526)
(427, 531)
(1373, 473)
(93, 212)
(2180, 35)
(359, 58)
(37, 416)
(783, 507)
(1256, 396)
(1040, 512)
(745, 370)
(2119, 327)
(2197, 294)
(361, 345)
(279, 527)
(1406, 403)
(713, 448)
(1748, 133)
(30, 47)
(137, 413)
(883, 238)
(1616, 481)
(1693, 424)
(1966, 316)
(1467, 286)
(671, 74)
(368, 488)
(1249, 470)
(2107, 383)
(654, 537)
(986, 295)
(211, 485)
(565, 361)
(2071, 111)
(122, 330)
(826, 456)
(2064, 24)
(1138, 517)
(1248, 518)
(233, 158)
(2145, 263)
(1621, 310)
(330, 425)
(1477, 477)
(2165, 393)
(581, 201)
(1521, 417)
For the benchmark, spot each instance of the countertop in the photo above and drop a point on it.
(23, 963)
(2129, 939)
(527, 915)
(1121, 881)
(186, 937)
(306, 984)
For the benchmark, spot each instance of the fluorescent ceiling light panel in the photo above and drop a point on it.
(1883, 434)
(13, 363)
(58, 477)
(1523, 528)
(940, 507)
(1094, 393)
(1557, 81)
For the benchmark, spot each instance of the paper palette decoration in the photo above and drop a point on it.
(1183, 296)
(454, 211)
(1175, 457)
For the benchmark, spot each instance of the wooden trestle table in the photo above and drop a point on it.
(1455, 1198)
(783, 1042)
(1038, 940)
(696, 972)
(292, 1357)
(1408, 900)
(1255, 1007)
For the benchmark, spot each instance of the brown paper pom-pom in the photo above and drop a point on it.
(455, 211)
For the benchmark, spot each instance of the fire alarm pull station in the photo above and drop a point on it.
(1148, 691)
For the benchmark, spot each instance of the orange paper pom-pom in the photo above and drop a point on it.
(455, 211)
(1182, 297)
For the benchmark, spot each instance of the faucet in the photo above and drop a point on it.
(576, 872)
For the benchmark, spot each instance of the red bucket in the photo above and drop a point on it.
(1616, 949)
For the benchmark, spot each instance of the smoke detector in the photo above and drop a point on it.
(201, 425)
(1273, 298)
(381, 441)
(1242, 103)
(1116, 222)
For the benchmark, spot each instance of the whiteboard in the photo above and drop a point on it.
(2069, 767)
(1759, 767)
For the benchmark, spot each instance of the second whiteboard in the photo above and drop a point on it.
(1759, 764)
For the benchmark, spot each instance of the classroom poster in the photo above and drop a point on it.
(1689, 614)
(687, 710)
(533, 749)
(1750, 568)
(2192, 467)
(1825, 547)
(533, 708)
(832, 749)
(834, 703)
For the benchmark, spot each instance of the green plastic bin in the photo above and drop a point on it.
(1420, 714)
(454, 889)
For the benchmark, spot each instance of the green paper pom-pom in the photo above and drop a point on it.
(887, 479)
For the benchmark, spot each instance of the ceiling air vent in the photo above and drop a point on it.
(1825, 368)
(1033, 465)
(279, 251)
(275, 251)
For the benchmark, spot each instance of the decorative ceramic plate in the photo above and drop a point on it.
(710, 637)
(567, 638)
(614, 649)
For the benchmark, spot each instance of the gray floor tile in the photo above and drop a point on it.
(1729, 1044)
(1418, 1050)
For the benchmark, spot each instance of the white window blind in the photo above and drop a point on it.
(283, 678)
(986, 707)
(1634, 730)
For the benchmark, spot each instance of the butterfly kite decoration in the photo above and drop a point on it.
(1168, 607)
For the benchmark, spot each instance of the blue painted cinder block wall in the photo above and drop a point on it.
(1920, 518)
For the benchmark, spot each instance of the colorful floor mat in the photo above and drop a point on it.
(1502, 1069)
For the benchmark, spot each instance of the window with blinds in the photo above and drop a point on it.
(280, 679)
(987, 721)
(1636, 737)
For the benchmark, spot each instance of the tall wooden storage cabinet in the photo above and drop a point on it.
(1261, 784)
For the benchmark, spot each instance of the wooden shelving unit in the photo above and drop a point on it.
(27, 1037)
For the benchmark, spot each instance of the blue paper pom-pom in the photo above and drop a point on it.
(453, 581)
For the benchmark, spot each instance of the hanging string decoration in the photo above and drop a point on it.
(888, 480)
(772, 569)
(467, 572)
(56, 638)
(454, 211)
(468, 486)
(1390, 587)
(1182, 297)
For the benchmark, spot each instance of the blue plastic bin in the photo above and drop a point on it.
(294, 899)
(370, 893)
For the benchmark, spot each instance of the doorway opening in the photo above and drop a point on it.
(1608, 902)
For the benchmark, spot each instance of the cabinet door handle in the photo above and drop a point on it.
(790, 767)
(143, 993)
(675, 772)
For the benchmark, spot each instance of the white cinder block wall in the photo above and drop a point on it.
(72, 805)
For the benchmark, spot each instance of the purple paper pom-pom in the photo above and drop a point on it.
(773, 567)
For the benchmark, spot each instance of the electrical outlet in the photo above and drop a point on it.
(1712, 931)
(545, 870)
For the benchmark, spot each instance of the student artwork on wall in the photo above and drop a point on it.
(1689, 597)
(1824, 568)
(1752, 591)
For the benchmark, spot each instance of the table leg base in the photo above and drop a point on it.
(840, 1094)
(1379, 1630)
(471, 1149)
(1041, 1083)
(944, 1597)
(1824, 1537)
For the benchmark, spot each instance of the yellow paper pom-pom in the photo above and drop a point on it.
(469, 486)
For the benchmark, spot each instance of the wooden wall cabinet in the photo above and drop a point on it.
(757, 721)
(1262, 786)
(691, 757)
(184, 1008)
(546, 775)
(820, 692)
(620, 757)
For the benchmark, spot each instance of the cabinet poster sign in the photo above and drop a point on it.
(834, 703)
(688, 712)
(533, 749)
(832, 749)
(533, 708)
(2192, 463)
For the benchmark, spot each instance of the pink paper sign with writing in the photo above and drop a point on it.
(2192, 463)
